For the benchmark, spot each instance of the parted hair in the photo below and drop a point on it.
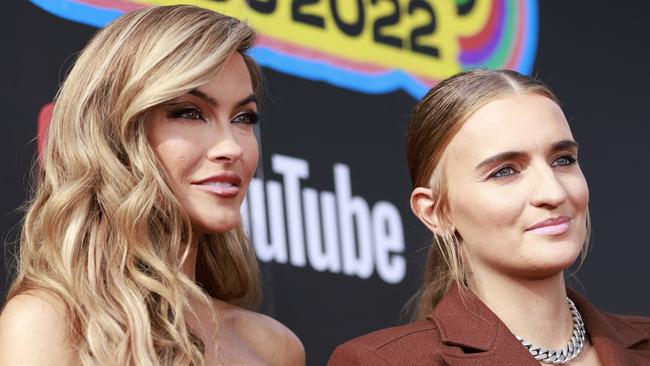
(434, 122)
(104, 232)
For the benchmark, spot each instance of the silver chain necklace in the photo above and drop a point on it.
(570, 351)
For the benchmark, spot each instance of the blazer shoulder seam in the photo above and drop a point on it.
(368, 350)
(632, 319)
(375, 351)
(409, 333)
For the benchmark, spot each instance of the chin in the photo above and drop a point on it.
(215, 224)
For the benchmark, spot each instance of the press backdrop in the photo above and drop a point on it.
(328, 210)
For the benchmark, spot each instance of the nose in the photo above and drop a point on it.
(224, 146)
(547, 188)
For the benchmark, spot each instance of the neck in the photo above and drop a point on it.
(535, 310)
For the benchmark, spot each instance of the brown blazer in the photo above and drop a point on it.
(455, 334)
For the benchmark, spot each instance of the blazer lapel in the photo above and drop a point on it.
(465, 322)
(477, 337)
(612, 337)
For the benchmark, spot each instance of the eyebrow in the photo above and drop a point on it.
(565, 145)
(508, 155)
(514, 155)
(208, 99)
(249, 99)
(201, 95)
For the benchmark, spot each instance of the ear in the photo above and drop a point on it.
(422, 204)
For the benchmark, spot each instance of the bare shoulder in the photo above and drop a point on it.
(272, 340)
(34, 331)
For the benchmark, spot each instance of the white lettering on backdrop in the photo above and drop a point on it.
(331, 231)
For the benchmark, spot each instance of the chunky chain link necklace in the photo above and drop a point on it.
(570, 351)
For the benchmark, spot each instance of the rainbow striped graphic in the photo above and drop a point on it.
(507, 41)
(487, 33)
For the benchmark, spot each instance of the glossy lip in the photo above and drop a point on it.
(222, 191)
(552, 226)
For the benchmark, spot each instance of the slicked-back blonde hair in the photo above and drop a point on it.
(104, 232)
(434, 122)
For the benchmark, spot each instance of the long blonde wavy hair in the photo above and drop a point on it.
(104, 232)
(434, 122)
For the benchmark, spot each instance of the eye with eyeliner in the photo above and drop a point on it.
(247, 117)
(191, 112)
(186, 112)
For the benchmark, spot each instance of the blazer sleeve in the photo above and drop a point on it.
(356, 354)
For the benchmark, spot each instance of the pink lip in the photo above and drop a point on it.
(225, 184)
(554, 226)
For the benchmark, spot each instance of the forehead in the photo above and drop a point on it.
(523, 122)
(232, 82)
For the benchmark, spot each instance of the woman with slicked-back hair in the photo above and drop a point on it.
(496, 179)
(132, 250)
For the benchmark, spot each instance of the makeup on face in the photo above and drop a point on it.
(205, 141)
(225, 184)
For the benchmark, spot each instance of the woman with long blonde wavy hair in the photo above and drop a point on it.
(132, 250)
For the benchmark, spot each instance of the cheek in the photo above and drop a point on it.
(176, 158)
(172, 147)
(251, 153)
(579, 196)
(481, 213)
(579, 193)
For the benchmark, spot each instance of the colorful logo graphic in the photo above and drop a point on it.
(370, 46)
